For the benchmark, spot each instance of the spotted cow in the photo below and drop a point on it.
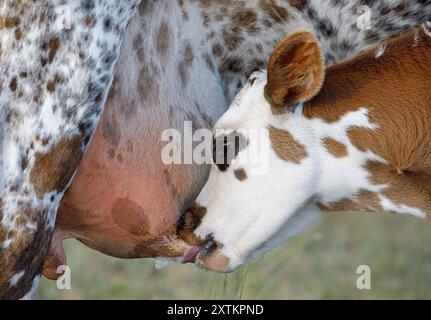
(186, 60)
(57, 60)
(350, 148)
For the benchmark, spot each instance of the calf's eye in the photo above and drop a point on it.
(226, 148)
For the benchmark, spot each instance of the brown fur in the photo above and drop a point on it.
(412, 188)
(189, 222)
(295, 72)
(52, 171)
(163, 39)
(336, 148)
(286, 147)
(364, 201)
(277, 13)
(240, 174)
(27, 243)
(396, 90)
(129, 216)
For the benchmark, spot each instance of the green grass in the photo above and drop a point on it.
(319, 264)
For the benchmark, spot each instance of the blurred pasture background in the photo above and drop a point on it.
(318, 264)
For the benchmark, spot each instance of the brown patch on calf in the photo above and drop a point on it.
(400, 108)
(53, 170)
(130, 217)
(363, 201)
(286, 147)
(189, 222)
(411, 188)
(351, 85)
(240, 174)
(336, 148)
(396, 91)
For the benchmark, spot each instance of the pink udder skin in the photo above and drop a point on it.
(121, 205)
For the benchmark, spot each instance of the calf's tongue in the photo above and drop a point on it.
(191, 255)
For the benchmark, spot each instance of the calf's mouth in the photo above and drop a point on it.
(198, 253)
(203, 252)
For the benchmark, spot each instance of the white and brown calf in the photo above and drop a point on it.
(363, 143)
(57, 60)
(186, 60)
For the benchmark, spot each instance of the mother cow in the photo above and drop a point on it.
(57, 59)
(185, 60)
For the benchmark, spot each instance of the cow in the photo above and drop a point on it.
(57, 61)
(356, 137)
(186, 60)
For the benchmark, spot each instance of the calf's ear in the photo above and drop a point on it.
(296, 71)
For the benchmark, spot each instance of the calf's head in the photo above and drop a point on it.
(262, 172)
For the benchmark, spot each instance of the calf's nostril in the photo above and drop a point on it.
(210, 246)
